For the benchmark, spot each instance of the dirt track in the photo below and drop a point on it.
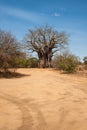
(43, 100)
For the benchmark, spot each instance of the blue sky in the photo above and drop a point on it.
(17, 16)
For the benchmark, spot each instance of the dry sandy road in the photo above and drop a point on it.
(43, 100)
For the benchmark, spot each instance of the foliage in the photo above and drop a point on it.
(33, 62)
(85, 60)
(9, 50)
(67, 62)
(26, 63)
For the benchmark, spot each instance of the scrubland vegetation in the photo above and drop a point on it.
(45, 42)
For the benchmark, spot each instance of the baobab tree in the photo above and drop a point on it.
(45, 41)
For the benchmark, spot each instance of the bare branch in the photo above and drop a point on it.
(44, 41)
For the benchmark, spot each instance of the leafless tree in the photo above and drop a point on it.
(9, 50)
(45, 41)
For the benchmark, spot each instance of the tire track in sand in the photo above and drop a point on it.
(30, 113)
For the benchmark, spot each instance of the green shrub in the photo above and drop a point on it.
(85, 60)
(25, 63)
(67, 63)
(32, 62)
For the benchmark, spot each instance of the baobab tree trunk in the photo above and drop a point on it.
(41, 60)
(41, 63)
(44, 62)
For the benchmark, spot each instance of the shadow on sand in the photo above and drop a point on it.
(11, 74)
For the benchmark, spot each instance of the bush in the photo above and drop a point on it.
(26, 63)
(21, 63)
(85, 60)
(67, 63)
(33, 62)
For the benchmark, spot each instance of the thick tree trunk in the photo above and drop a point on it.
(41, 63)
(44, 62)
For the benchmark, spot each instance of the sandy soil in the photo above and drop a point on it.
(43, 99)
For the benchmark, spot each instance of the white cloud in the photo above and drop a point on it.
(56, 14)
(18, 13)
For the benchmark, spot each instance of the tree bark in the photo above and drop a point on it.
(44, 62)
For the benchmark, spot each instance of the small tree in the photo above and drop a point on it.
(9, 50)
(67, 62)
(45, 42)
(85, 60)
